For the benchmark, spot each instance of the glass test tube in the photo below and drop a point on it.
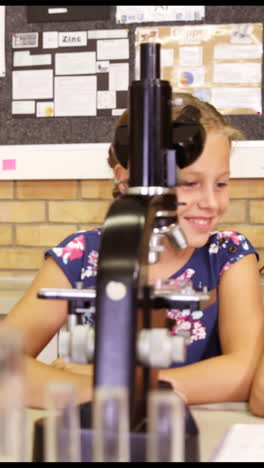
(62, 434)
(12, 397)
(166, 427)
(111, 441)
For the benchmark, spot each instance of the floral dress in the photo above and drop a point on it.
(77, 256)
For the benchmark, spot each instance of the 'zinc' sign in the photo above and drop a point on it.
(73, 39)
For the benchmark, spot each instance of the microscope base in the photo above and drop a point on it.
(137, 440)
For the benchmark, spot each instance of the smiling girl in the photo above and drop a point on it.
(225, 337)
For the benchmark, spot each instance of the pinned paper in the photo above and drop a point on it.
(45, 109)
(9, 164)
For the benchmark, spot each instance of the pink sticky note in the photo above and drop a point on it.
(9, 164)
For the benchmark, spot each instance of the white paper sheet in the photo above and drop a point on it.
(236, 98)
(242, 33)
(32, 84)
(50, 39)
(190, 56)
(106, 99)
(112, 49)
(118, 76)
(102, 66)
(29, 39)
(57, 11)
(45, 109)
(237, 73)
(72, 39)
(117, 111)
(23, 58)
(237, 52)
(166, 57)
(76, 63)
(75, 95)
(241, 443)
(140, 14)
(107, 33)
(23, 107)
(191, 34)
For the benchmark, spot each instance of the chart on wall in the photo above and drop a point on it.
(67, 74)
(220, 64)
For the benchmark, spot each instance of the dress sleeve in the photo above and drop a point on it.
(69, 256)
(232, 246)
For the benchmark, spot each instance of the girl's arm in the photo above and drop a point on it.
(241, 325)
(39, 320)
(39, 375)
(86, 369)
(256, 398)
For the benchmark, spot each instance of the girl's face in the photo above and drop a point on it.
(204, 189)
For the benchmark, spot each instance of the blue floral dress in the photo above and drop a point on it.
(77, 256)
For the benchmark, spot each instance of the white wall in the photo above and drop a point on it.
(89, 161)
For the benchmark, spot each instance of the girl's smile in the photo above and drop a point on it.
(203, 187)
(200, 224)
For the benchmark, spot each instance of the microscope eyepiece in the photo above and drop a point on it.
(188, 136)
(150, 61)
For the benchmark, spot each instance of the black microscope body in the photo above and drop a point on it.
(123, 299)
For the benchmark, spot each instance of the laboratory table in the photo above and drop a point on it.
(213, 420)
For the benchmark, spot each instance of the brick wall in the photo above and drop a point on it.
(37, 214)
(246, 212)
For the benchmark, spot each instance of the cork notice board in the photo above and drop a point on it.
(221, 64)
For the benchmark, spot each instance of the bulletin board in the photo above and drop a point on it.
(70, 74)
(220, 64)
(42, 127)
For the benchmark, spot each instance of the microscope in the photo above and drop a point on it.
(131, 339)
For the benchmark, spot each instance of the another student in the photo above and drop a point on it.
(226, 337)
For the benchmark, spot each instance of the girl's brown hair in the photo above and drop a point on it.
(210, 118)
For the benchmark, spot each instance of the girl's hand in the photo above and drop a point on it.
(86, 369)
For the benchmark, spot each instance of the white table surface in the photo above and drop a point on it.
(212, 420)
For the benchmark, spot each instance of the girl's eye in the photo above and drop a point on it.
(221, 184)
(185, 183)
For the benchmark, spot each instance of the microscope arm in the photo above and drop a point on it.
(121, 277)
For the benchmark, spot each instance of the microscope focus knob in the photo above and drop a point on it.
(157, 348)
(77, 345)
(82, 344)
(64, 344)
